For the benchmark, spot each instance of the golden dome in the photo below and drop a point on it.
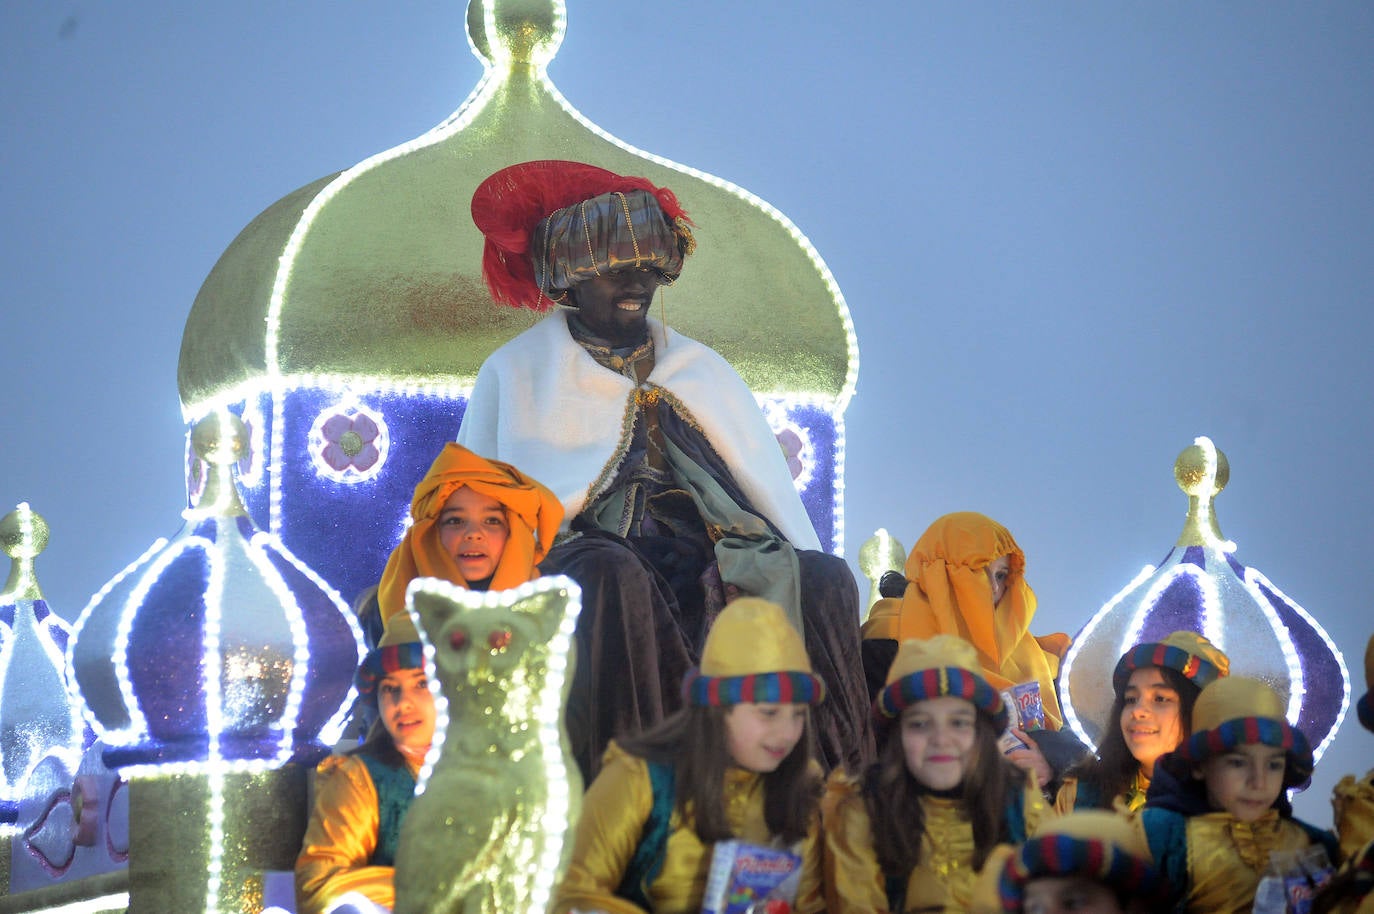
(374, 273)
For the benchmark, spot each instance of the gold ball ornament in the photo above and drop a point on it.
(23, 533)
(220, 439)
(1202, 470)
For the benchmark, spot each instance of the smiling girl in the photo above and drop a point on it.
(477, 523)
(1156, 685)
(736, 763)
(361, 797)
(912, 834)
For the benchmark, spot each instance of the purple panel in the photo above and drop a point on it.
(819, 494)
(345, 532)
(1321, 672)
(1179, 607)
(333, 651)
(1195, 555)
(1236, 566)
(166, 643)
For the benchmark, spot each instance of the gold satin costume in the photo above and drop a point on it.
(948, 593)
(1133, 800)
(341, 837)
(1228, 857)
(533, 514)
(614, 811)
(942, 881)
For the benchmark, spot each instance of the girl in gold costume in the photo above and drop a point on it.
(736, 763)
(912, 833)
(1217, 807)
(1156, 685)
(361, 797)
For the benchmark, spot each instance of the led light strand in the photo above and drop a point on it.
(1291, 659)
(1257, 579)
(81, 620)
(138, 725)
(1084, 637)
(551, 738)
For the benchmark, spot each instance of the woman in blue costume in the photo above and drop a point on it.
(676, 492)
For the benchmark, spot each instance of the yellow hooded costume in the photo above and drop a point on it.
(948, 593)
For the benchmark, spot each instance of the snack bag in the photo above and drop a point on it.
(1008, 741)
(1030, 709)
(743, 875)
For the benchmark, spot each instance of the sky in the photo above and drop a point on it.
(1072, 237)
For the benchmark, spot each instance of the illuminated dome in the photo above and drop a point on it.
(37, 719)
(1201, 586)
(217, 646)
(346, 323)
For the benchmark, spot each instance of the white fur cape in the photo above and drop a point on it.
(542, 404)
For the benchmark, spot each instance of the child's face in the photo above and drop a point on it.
(760, 736)
(938, 741)
(1060, 894)
(998, 570)
(407, 710)
(1245, 781)
(473, 529)
(1151, 717)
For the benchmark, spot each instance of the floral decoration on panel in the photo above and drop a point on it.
(349, 443)
(795, 443)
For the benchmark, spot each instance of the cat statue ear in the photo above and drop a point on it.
(490, 828)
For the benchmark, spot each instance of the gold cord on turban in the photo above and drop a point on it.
(532, 512)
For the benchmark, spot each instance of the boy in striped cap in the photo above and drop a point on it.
(1218, 807)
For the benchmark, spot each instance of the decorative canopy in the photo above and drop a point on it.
(1201, 586)
(375, 272)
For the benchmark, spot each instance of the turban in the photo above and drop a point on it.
(532, 512)
(551, 224)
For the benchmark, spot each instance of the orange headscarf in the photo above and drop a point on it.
(948, 592)
(532, 511)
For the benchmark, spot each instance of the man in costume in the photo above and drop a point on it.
(676, 493)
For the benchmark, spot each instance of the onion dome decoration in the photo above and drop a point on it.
(1201, 586)
(881, 553)
(218, 649)
(346, 323)
(37, 718)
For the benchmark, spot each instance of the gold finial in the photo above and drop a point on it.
(880, 554)
(524, 31)
(1201, 471)
(221, 440)
(23, 535)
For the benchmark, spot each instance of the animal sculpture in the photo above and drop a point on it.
(490, 828)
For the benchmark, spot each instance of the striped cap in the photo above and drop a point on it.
(753, 654)
(785, 688)
(1240, 711)
(1188, 653)
(399, 649)
(1096, 845)
(944, 665)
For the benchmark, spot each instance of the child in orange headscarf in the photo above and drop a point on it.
(966, 577)
(478, 523)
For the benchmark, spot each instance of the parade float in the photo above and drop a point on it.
(155, 753)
